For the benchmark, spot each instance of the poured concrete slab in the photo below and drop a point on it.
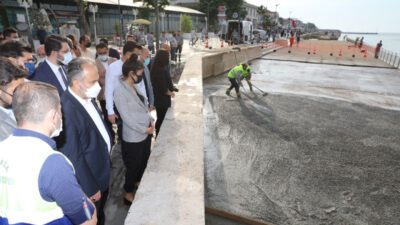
(322, 148)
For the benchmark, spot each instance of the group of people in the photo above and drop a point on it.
(175, 41)
(55, 140)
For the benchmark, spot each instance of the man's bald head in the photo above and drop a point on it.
(33, 100)
(166, 47)
(41, 52)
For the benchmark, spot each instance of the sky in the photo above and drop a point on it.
(347, 15)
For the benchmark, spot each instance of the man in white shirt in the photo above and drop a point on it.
(11, 75)
(150, 42)
(84, 45)
(163, 38)
(113, 74)
(85, 139)
(174, 45)
(145, 87)
(52, 70)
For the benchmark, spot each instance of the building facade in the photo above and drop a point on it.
(252, 14)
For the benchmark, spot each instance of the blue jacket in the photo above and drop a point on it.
(84, 146)
(44, 74)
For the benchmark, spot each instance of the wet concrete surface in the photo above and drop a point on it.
(300, 157)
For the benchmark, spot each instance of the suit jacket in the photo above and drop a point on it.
(161, 81)
(102, 76)
(84, 146)
(44, 74)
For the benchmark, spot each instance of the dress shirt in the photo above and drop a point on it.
(9, 112)
(88, 53)
(56, 71)
(113, 74)
(94, 114)
(150, 40)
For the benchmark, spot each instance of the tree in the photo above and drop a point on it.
(82, 6)
(186, 24)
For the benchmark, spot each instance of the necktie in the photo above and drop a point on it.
(63, 76)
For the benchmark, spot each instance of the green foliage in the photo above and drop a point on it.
(4, 17)
(210, 8)
(38, 19)
(311, 26)
(149, 4)
(116, 28)
(186, 24)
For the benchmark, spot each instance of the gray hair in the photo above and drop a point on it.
(75, 69)
(33, 100)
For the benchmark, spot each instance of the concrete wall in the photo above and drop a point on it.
(217, 63)
(172, 188)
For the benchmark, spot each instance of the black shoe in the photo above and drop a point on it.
(175, 89)
(127, 202)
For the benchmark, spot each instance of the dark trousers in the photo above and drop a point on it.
(234, 84)
(179, 51)
(100, 208)
(160, 118)
(151, 49)
(108, 123)
(173, 53)
(135, 157)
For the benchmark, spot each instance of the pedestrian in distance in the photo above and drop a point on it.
(378, 49)
(236, 75)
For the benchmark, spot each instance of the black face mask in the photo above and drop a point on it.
(87, 45)
(139, 78)
(7, 105)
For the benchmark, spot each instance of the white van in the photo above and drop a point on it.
(244, 32)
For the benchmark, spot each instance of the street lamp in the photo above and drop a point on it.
(93, 9)
(135, 12)
(206, 24)
(27, 4)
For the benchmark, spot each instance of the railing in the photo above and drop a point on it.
(389, 57)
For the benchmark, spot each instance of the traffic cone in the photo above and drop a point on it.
(365, 53)
(340, 52)
(222, 43)
(315, 51)
(230, 43)
(207, 43)
(119, 50)
(266, 44)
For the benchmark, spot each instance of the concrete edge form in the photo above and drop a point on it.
(172, 187)
(218, 63)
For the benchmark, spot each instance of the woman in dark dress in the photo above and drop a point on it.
(162, 86)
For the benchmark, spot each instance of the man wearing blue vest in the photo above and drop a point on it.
(236, 75)
(38, 184)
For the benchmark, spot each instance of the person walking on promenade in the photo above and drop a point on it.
(39, 185)
(174, 45)
(11, 75)
(291, 40)
(378, 49)
(138, 125)
(236, 75)
(163, 38)
(361, 42)
(298, 38)
(179, 39)
(86, 140)
(150, 42)
(356, 42)
(162, 86)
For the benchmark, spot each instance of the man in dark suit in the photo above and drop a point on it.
(52, 70)
(85, 139)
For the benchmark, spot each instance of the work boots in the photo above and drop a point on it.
(251, 87)
(238, 94)
(228, 91)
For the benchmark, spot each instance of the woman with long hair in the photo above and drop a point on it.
(162, 85)
(137, 125)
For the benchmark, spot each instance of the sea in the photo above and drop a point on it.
(390, 41)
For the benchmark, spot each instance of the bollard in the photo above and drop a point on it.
(230, 43)
(207, 43)
(222, 43)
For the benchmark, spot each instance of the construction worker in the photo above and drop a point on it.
(236, 75)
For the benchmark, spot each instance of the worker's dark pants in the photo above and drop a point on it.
(161, 112)
(173, 53)
(234, 84)
(100, 207)
(151, 48)
(135, 157)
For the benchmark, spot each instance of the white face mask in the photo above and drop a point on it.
(93, 91)
(56, 132)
